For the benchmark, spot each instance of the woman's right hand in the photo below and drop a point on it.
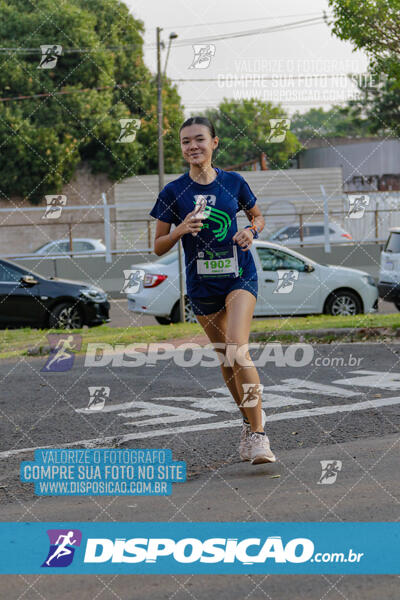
(191, 224)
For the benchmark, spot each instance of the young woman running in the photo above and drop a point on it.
(221, 276)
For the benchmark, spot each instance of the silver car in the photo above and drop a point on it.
(288, 284)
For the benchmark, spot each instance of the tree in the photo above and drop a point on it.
(44, 138)
(372, 26)
(338, 121)
(243, 128)
(380, 103)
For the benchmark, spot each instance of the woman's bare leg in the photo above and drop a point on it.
(214, 326)
(239, 313)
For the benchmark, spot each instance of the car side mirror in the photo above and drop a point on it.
(28, 280)
(308, 268)
(283, 236)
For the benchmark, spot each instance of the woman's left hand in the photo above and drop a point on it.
(244, 238)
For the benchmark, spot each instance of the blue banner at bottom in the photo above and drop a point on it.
(193, 548)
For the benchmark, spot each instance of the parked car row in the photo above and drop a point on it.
(316, 288)
(310, 233)
(79, 246)
(29, 299)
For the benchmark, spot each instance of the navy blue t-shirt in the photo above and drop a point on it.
(226, 195)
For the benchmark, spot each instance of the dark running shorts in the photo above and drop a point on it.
(211, 304)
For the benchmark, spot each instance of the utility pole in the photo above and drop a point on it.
(160, 77)
(160, 114)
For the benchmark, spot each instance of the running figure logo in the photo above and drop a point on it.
(279, 129)
(210, 199)
(357, 206)
(98, 397)
(61, 352)
(286, 281)
(251, 393)
(49, 56)
(203, 54)
(54, 206)
(128, 131)
(330, 470)
(62, 547)
(133, 281)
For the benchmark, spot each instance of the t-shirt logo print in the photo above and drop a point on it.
(218, 216)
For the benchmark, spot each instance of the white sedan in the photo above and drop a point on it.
(313, 233)
(79, 245)
(288, 284)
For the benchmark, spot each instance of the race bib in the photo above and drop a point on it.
(218, 262)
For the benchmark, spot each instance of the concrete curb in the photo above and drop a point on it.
(335, 331)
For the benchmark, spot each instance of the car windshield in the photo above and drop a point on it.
(168, 259)
(393, 243)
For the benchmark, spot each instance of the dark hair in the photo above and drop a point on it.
(200, 121)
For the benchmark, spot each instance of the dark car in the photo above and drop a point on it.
(29, 299)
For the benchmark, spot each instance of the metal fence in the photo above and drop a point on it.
(133, 233)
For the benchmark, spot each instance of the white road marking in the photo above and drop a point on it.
(295, 414)
(306, 386)
(227, 403)
(107, 408)
(374, 379)
(178, 414)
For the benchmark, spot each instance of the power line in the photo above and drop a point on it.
(226, 36)
(272, 77)
(67, 92)
(240, 21)
(276, 28)
(72, 50)
(283, 102)
(125, 85)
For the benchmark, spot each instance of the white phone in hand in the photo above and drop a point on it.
(201, 210)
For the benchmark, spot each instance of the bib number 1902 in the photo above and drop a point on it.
(220, 264)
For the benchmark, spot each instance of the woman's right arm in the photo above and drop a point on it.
(165, 239)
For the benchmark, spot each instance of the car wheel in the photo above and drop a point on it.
(163, 320)
(190, 317)
(397, 305)
(65, 316)
(343, 303)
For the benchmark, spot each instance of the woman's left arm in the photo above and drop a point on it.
(245, 237)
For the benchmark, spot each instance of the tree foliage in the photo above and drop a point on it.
(372, 26)
(43, 139)
(243, 127)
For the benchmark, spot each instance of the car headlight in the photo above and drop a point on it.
(369, 279)
(94, 294)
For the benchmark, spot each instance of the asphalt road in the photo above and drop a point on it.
(343, 405)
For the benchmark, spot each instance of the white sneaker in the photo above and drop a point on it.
(260, 450)
(244, 444)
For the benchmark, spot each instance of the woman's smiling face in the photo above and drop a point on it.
(197, 144)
